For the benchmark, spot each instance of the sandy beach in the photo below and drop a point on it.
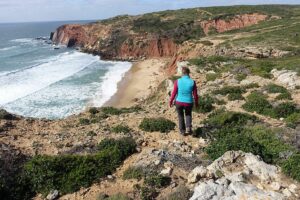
(138, 82)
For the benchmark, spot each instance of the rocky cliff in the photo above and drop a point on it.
(236, 22)
(136, 38)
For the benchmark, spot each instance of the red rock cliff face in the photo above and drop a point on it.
(155, 47)
(70, 35)
(239, 21)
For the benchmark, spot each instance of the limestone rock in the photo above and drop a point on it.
(288, 78)
(52, 195)
(196, 174)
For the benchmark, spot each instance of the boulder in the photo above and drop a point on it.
(239, 175)
(288, 78)
(53, 194)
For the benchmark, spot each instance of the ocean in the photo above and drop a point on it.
(37, 80)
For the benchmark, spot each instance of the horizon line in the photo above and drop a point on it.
(70, 20)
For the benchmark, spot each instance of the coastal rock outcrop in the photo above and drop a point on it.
(287, 78)
(239, 175)
(70, 35)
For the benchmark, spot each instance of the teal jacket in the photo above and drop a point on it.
(185, 88)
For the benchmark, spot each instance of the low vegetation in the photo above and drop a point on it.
(205, 104)
(157, 124)
(118, 111)
(257, 102)
(133, 173)
(68, 173)
(120, 128)
(118, 196)
(238, 131)
(291, 166)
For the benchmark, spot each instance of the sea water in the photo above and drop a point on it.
(37, 80)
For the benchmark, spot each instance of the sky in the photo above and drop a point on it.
(60, 10)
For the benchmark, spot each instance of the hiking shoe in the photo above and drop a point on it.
(189, 131)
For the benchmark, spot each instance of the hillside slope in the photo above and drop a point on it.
(245, 142)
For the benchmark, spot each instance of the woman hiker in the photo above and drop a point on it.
(185, 88)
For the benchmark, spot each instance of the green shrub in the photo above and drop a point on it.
(111, 111)
(251, 86)
(126, 146)
(257, 102)
(157, 124)
(232, 139)
(285, 109)
(147, 193)
(273, 88)
(291, 167)
(118, 111)
(221, 118)
(157, 180)
(262, 68)
(181, 193)
(272, 145)
(98, 117)
(68, 173)
(93, 110)
(212, 76)
(6, 115)
(230, 90)
(293, 120)
(205, 104)
(84, 121)
(121, 129)
(235, 96)
(284, 96)
(240, 77)
(133, 173)
(207, 43)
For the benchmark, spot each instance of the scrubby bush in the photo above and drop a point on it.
(257, 102)
(126, 146)
(222, 118)
(133, 173)
(291, 166)
(272, 145)
(121, 129)
(93, 110)
(157, 124)
(232, 139)
(285, 109)
(147, 193)
(84, 121)
(118, 196)
(111, 111)
(118, 111)
(68, 173)
(157, 180)
(284, 96)
(6, 115)
(235, 96)
(205, 104)
(240, 77)
(181, 193)
(212, 76)
(251, 86)
(230, 90)
(273, 88)
(293, 120)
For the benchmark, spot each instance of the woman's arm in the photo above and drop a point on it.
(174, 93)
(195, 94)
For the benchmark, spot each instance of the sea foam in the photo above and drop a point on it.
(17, 85)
